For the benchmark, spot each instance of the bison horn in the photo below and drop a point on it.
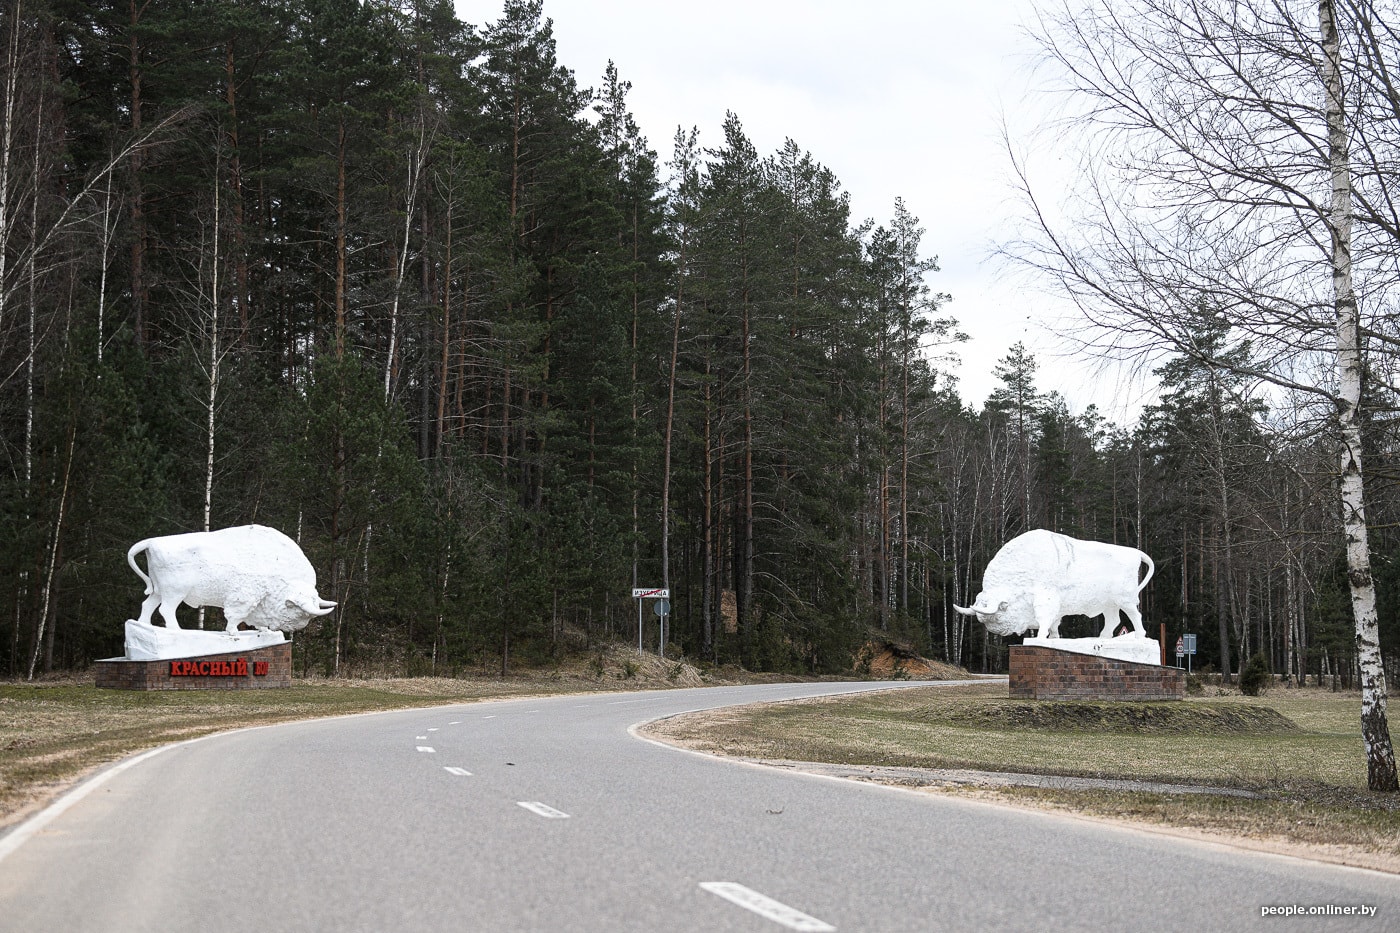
(326, 604)
(966, 612)
(322, 610)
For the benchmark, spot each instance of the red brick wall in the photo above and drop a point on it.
(1039, 673)
(121, 674)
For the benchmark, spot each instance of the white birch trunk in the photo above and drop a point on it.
(53, 557)
(33, 300)
(213, 396)
(109, 229)
(414, 162)
(1375, 731)
(7, 144)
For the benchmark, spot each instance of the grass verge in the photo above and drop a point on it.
(1299, 750)
(53, 733)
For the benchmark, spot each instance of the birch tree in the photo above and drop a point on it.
(1238, 156)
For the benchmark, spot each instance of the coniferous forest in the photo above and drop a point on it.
(414, 293)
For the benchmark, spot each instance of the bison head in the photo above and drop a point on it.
(1000, 612)
(987, 605)
(300, 607)
(290, 610)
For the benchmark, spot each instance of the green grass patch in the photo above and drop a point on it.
(1355, 831)
(1204, 719)
(1300, 749)
(1273, 742)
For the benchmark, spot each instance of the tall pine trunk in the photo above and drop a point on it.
(670, 425)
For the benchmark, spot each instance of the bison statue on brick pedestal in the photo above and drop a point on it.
(1040, 577)
(253, 573)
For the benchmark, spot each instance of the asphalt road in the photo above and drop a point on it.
(548, 815)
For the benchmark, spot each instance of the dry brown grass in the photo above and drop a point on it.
(54, 732)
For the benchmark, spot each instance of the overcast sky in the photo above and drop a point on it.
(899, 98)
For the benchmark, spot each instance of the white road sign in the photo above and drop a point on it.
(640, 593)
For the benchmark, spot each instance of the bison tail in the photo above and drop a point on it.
(1151, 569)
(135, 549)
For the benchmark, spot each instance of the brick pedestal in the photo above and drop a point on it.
(255, 669)
(1050, 674)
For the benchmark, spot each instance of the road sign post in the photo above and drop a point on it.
(640, 593)
(662, 608)
(1185, 648)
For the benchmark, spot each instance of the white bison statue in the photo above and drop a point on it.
(255, 574)
(1040, 577)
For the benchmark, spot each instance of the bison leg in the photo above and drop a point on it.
(1047, 615)
(235, 613)
(1135, 617)
(1110, 616)
(147, 608)
(168, 606)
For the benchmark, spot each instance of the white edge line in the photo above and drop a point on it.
(30, 827)
(21, 833)
(16, 837)
(542, 809)
(1219, 845)
(13, 838)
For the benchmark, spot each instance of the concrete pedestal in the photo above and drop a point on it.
(1133, 647)
(1041, 673)
(254, 669)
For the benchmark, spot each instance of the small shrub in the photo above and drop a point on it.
(629, 669)
(1256, 676)
(1194, 685)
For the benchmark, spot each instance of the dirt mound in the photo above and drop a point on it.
(1139, 718)
(619, 663)
(893, 661)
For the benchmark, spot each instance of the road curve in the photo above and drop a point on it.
(546, 815)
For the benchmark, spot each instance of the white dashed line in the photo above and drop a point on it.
(460, 772)
(542, 809)
(427, 748)
(766, 907)
(489, 717)
(420, 737)
(433, 730)
(457, 723)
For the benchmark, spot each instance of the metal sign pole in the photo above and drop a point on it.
(640, 593)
